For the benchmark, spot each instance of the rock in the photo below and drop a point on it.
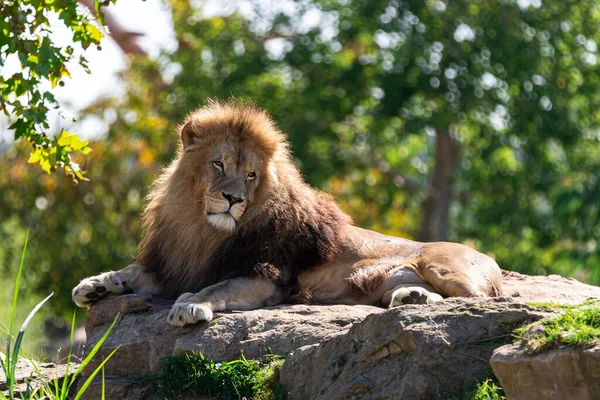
(144, 336)
(410, 352)
(526, 288)
(350, 350)
(567, 373)
(26, 373)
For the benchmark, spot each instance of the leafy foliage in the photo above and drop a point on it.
(75, 230)
(195, 375)
(26, 41)
(487, 389)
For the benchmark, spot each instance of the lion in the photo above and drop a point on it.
(231, 225)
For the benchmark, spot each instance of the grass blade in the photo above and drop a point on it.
(21, 333)
(17, 284)
(65, 381)
(4, 366)
(89, 357)
(88, 381)
(8, 365)
(43, 382)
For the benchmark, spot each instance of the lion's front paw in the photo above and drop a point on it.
(95, 288)
(186, 313)
(413, 295)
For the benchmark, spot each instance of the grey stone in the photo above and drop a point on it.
(143, 335)
(554, 288)
(411, 352)
(567, 373)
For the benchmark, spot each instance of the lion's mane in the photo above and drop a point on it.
(289, 226)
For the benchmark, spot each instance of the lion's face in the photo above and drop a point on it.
(233, 180)
(231, 163)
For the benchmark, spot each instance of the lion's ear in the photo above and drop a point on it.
(189, 137)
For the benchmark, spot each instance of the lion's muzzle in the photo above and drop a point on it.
(223, 212)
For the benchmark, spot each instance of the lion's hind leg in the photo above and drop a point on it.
(404, 286)
(406, 294)
(391, 285)
(459, 271)
(132, 279)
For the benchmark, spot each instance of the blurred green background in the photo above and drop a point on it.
(474, 121)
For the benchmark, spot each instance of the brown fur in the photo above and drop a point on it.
(186, 253)
(369, 278)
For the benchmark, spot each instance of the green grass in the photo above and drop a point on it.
(11, 253)
(553, 306)
(194, 375)
(487, 389)
(575, 325)
(47, 389)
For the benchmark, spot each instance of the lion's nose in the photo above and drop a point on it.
(232, 199)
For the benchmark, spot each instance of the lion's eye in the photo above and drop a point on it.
(251, 175)
(218, 165)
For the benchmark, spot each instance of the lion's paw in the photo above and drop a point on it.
(95, 288)
(186, 313)
(413, 295)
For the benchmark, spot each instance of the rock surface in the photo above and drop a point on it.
(144, 336)
(567, 373)
(26, 374)
(411, 351)
(526, 288)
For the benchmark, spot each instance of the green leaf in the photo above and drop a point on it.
(33, 59)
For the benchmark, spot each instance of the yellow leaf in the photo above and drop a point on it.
(95, 33)
(64, 139)
(45, 164)
(34, 157)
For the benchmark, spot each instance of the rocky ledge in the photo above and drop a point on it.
(410, 352)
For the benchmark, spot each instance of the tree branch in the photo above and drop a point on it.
(126, 40)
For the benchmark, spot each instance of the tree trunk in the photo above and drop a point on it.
(436, 207)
